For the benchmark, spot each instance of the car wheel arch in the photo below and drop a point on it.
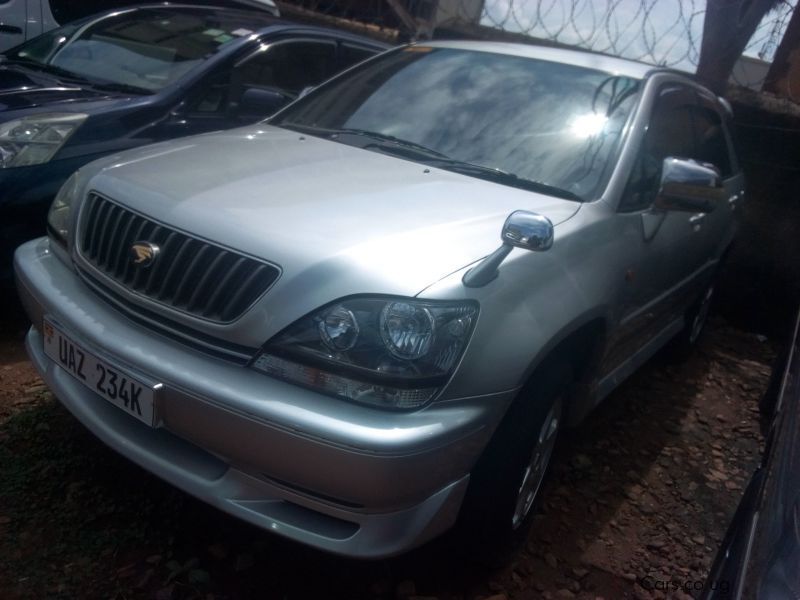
(581, 345)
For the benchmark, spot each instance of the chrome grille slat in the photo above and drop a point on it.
(98, 229)
(121, 228)
(140, 276)
(111, 218)
(127, 265)
(218, 297)
(135, 272)
(171, 280)
(121, 254)
(92, 208)
(209, 274)
(251, 280)
(184, 290)
(189, 275)
(155, 281)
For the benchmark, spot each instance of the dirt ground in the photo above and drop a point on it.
(639, 498)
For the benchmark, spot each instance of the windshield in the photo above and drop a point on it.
(527, 120)
(143, 48)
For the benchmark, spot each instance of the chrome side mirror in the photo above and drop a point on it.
(522, 229)
(689, 186)
(528, 231)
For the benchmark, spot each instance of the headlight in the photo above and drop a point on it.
(34, 140)
(387, 352)
(58, 219)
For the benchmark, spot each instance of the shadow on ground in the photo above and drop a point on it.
(643, 489)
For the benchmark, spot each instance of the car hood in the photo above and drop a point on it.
(325, 212)
(21, 88)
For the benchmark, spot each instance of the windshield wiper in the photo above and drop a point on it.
(373, 135)
(434, 158)
(52, 69)
(113, 86)
(503, 177)
(385, 137)
(74, 77)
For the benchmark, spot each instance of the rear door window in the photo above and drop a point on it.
(713, 145)
(352, 55)
(288, 66)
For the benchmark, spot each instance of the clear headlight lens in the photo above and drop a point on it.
(407, 329)
(339, 329)
(387, 352)
(34, 140)
(58, 219)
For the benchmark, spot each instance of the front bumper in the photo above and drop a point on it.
(344, 478)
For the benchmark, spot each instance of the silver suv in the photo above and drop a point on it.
(371, 316)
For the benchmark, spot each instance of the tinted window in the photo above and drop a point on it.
(670, 132)
(289, 66)
(351, 55)
(144, 48)
(542, 121)
(65, 11)
(712, 145)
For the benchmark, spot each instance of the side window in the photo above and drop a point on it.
(712, 144)
(288, 67)
(65, 11)
(352, 55)
(212, 97)
(670, 132)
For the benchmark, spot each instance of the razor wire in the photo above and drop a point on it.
(661, 32)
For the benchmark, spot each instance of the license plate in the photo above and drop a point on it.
(112, 383)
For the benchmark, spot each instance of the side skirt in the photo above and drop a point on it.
(585, 402)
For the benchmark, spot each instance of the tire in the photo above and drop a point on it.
(502, 495)
(696, 317)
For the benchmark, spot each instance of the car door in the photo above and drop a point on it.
(666, 249)
(714, 147)
(13, 23)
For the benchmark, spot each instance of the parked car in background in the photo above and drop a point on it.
(21, 20)
(759, 557)
(375, 311)
(142, 75)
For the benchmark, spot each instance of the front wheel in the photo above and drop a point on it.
(537, 466)
(506, 482)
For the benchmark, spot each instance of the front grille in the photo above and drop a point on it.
(188, 274)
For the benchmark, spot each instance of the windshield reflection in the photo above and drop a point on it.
(541, 121)
(145, 48)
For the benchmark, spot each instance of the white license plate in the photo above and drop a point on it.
(112, 383)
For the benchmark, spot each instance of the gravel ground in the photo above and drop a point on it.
(637, 502)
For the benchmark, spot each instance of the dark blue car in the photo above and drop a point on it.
(759, 558)
(135, 76)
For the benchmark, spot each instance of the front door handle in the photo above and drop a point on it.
(696, 220)
(732, 201)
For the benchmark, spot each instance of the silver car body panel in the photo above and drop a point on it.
(414, 236)
(227, 443)
(340, 220)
